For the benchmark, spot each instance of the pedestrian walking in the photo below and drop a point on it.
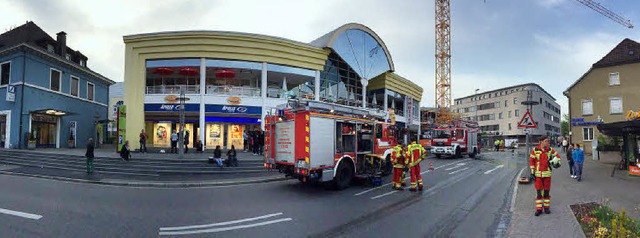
(496, 144)
(578, 161)
(125, 151)
(232, 160)
(261, 142)
(414, 155)
(143, 141)
(565, 145)
(541, 159)
(570, 161)
(186, 142)
(174, 142)
(89, 155)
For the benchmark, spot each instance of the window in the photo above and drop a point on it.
(614, 79)
(74, 86)
(517, 112)
(50, 48)
(615, 105)
(587, 107)
(515, 101)
(500, 115)
(509, 114)
(509, 126)
(67, 56)
(82, 63)
(587, 134)
(54, 82)
(90, 91)
(5, 73)
(505, 103)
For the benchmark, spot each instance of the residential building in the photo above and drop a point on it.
(233, 80)
(605, 93)
(498, 112)
(49, 94)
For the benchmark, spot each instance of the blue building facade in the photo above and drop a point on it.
(47, 96)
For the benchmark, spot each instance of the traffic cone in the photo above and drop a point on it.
(430, 165)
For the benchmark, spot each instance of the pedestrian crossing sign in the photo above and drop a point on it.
(527, 121)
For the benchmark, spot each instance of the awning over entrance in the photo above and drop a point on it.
(52, 112)
(620, 128)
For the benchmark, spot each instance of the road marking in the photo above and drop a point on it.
(20, 214)
(454, 172)
(457, 165)
(177, 228)
(407, 179)
(497, 167)
(173, 233)
(379, 196)
(515, 192)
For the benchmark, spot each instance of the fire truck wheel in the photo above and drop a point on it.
(343, 177)
(473, 154)
(387, 167)
(438, 156)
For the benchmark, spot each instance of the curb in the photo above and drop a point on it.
(146, 184)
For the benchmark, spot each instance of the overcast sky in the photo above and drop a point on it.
(495, 43)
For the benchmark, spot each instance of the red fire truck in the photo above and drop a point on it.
(325, 142)
(457, 140)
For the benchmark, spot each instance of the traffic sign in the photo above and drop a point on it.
(527, 121)
(11, 93)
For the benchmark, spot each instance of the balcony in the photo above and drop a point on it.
(227, 90)
(173, 89)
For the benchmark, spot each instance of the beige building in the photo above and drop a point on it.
(605, 92)
(499, 111)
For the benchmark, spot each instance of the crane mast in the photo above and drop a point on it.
(443, 58)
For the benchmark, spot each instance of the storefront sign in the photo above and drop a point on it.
(233, 109)
(11, 93)
(581, 122)
(634, 171)
(631, 115)
(171, 98)
(234, 100)
(156, 107)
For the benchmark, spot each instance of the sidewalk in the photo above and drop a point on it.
(109, 152)
(619, 192)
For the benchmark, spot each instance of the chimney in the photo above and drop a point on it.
(62, 43)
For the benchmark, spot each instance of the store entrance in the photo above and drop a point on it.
(3, 130)
(45, 130)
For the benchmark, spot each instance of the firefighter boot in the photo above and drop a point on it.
(420, 187)
(547, 210)
(413, 189)
(538, 212)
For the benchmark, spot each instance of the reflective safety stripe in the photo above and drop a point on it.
(543, 174)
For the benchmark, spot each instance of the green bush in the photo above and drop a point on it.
(606, 143)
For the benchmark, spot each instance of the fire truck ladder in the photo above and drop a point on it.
(327, 107)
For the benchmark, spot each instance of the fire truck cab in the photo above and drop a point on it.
(455, 141)
(325, 142)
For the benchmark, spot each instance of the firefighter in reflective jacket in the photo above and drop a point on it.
(398, 161)
(415, 154)
(541, 159)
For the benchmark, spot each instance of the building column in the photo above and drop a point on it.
(316, 83)
(364, 83)
(203, 75)
(263, 92)
(386, 100)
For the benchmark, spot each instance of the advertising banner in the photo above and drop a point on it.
(122, 124)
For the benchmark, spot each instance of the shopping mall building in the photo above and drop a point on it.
(232, 80)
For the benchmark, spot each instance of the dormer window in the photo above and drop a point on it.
(67, 56)
(82, 63)
(50, 48)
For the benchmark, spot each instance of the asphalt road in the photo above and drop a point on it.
(464, 198)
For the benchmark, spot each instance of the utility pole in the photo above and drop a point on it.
(529, 103)
(181, 132)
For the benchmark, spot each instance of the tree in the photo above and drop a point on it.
(564, 125)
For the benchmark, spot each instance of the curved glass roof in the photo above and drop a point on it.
(362, 52)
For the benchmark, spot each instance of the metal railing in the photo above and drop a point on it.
(173, 89)
(233, 90)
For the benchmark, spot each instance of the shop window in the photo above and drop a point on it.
(5, 73)
(74, 86)
(54, 80)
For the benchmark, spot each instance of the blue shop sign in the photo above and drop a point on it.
(233, 109)
(160, 107)
(581, 122)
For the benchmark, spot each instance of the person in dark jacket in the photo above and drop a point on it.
(570, 160)
(125, 152)
(232, 160)
(89, 155)
(217, 155)
(186, 142)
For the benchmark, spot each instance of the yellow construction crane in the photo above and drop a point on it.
(443, 62)
(606, 12)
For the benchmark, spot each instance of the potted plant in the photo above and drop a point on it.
(32, 141)
(71, 142)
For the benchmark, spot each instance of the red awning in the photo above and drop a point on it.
(189, 71)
